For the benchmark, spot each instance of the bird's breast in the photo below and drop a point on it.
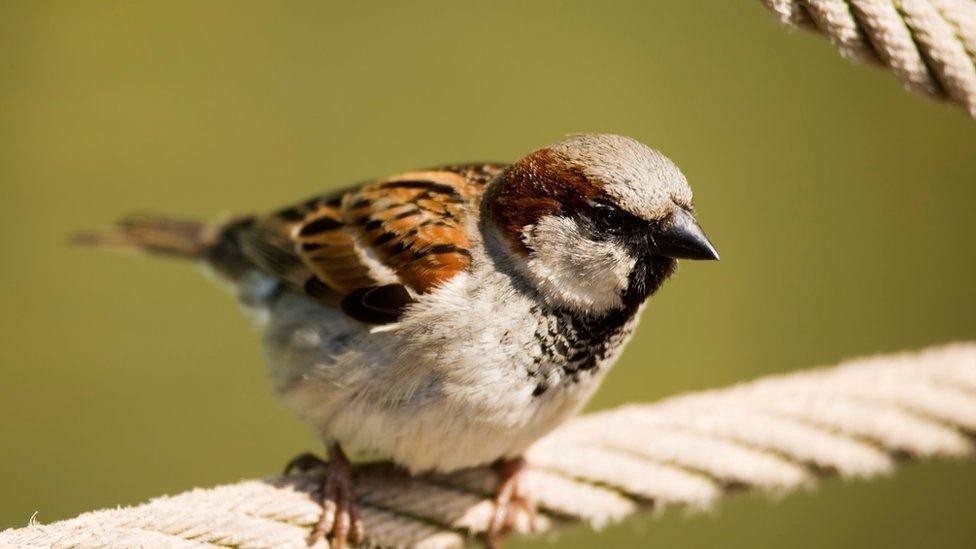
(572, 348)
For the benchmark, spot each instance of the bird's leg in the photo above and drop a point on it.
(510, 498)
(340, 519)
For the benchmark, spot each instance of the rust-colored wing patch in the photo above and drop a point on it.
(368, 249)
(324, 242)
(415, 224)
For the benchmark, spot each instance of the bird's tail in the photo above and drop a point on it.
(215, 243)
(158, 235)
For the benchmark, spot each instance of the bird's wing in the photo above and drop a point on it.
(371, 248)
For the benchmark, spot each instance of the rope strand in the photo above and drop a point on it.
(773, 435)
(930, 45)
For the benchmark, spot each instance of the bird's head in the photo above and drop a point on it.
(596, 222)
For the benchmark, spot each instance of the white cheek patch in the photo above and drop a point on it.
(573, 270)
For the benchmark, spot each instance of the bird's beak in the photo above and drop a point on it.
(682, 238)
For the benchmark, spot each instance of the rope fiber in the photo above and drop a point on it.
(930, 45)
(773, 435)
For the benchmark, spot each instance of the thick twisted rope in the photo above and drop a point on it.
(776, 434)
(929, 44)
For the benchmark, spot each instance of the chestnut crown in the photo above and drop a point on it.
(598, 220)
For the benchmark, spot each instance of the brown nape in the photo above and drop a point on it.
(537, 185)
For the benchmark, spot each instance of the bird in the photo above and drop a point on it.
(447, 318)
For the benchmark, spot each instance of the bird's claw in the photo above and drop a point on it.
(511, 502)
(340, 520)
(305, 463)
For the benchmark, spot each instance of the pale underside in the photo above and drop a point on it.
(449, 374)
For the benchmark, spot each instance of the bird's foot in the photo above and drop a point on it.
(340, 520)
(511, 501)
(305, 463)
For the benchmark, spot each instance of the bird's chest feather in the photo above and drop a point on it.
(473, 372)
(572, 348)
(501, 352)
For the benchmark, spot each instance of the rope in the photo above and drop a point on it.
(773, 435)
(929, 44)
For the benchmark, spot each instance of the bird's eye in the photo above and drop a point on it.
(608, 216)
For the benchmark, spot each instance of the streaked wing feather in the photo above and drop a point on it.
(273, 252)
(369, 249)
(377, 304)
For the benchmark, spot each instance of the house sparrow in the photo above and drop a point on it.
(448, 318)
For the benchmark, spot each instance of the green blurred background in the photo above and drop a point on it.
(842, 205)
